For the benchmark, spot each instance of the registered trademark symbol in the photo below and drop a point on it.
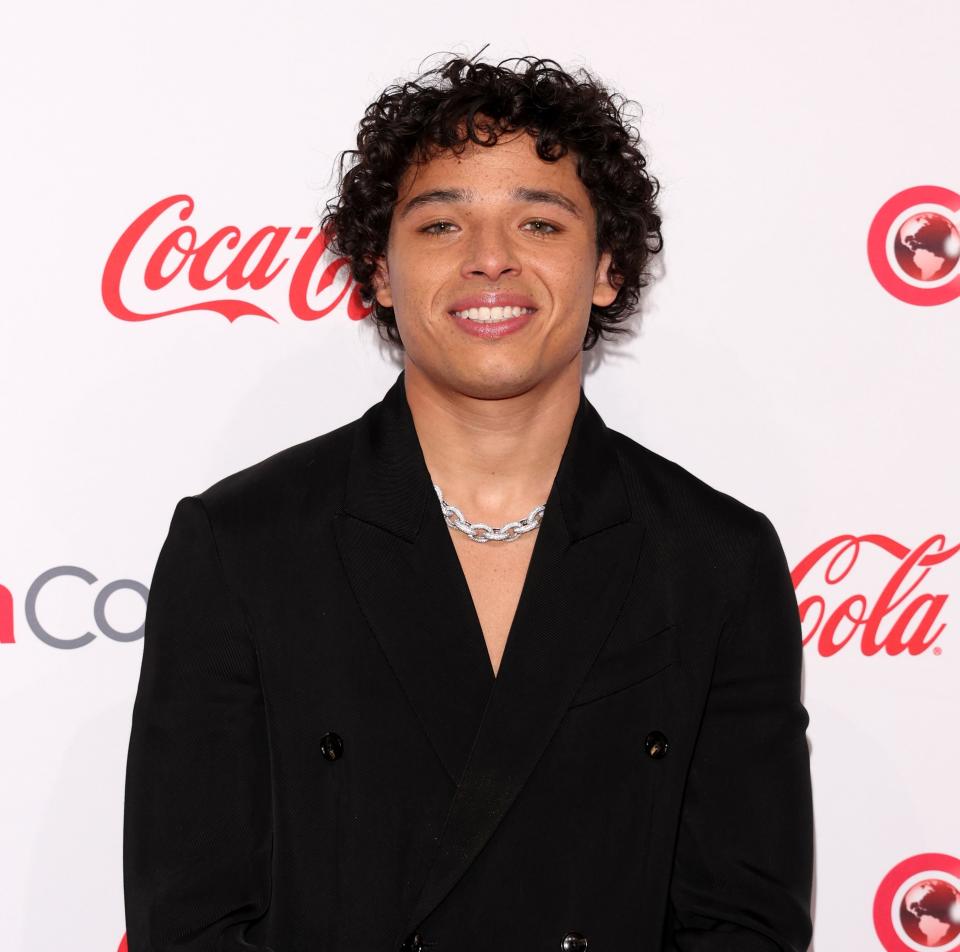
(937, 649)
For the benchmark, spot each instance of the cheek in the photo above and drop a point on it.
(573, 297)
(415, 280)
(570, 282)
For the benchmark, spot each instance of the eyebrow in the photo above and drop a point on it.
(519, 194)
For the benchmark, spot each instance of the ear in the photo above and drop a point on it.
(605, 291)
(381, 281)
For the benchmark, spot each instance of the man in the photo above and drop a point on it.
(474, 671)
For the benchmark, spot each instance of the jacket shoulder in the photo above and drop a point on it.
(283, 485)
(694, 521)
(674, 485)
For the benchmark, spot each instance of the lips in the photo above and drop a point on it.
(493, 299)
(493, 324)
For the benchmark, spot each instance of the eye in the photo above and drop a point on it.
(429, 230)
(544, 225)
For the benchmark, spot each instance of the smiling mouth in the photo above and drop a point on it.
(492, 315)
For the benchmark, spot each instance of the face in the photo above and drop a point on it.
(496, 227)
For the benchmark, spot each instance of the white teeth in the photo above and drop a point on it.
(491, 314)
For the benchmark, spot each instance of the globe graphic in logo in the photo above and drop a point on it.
(927, 246)
(930, 913)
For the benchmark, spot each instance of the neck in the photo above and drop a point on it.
(495, 459)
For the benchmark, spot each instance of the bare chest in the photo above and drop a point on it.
(495, 572)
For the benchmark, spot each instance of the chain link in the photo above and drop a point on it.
(480, 531)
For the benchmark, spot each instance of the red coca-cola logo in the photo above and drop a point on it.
(895, 620)
(160, 258)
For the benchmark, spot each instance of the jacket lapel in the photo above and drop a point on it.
(405, 574)
(488, 731)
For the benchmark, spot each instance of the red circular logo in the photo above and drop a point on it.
(917, 906)
(914, 245)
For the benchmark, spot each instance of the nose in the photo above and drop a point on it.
(489, 253)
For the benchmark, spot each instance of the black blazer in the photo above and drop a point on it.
(322, 760)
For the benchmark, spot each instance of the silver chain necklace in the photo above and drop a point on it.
(480, 531)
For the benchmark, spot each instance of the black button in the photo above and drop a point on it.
(412, 943)
(331, 746)
(656, 744)
(573, 942)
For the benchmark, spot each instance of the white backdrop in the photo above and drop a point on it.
(771, 361)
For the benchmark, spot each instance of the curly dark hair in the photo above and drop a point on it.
(439, 110)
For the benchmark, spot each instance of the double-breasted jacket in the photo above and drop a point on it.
(321, 758)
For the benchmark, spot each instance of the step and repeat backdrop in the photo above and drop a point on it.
(170, 315)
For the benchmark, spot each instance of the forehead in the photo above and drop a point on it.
(499, 168)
